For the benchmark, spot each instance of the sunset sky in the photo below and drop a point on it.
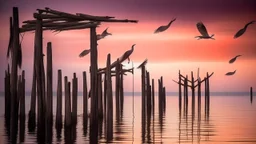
(167, 53)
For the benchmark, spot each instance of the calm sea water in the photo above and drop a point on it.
(232, 119)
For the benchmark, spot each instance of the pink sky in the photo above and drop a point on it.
(167, 52)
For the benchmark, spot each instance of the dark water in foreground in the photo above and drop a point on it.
(232, 119)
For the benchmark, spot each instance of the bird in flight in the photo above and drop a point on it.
(230, 73)
(204, 34)
(103, 34)
(242, 31)
(84, 52)
(234, 59)
(165, 27)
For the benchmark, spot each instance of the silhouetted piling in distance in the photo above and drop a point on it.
(251, 94)
(67, 103)
(49, 82)
(121, 89)
(100, 107)
(143, 91)
(74, 99)
(164, 95)
(193, 92)
(105, 95)
(148, 94)
(58, 123)
(208, 94)
(186, 89)
(85, 98)
(14, 75)
(117, 90)
(22, 96)
(109, 134)
(199, 94)
(153, 96)
(205, 95)
(94, 96)
(180, 97)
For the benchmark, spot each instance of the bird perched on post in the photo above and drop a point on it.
(234, 59)
(103, 34)
(230, 73)
(165, 27)
(127, 54)
(143, 63)
(242, 31)
(84, 52)
(204, 34)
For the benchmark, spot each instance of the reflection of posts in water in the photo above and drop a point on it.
(199, 122)
(148, 127)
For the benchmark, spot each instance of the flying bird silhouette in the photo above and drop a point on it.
(242, 31)
(204, 34)
(143, 63)
(103, 34)
(234, 59)
(165, 27)
(84, 53)
(230, 73)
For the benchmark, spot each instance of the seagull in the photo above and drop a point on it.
(204, 34)
(234, 59)
(242, 31)
(103, 34)
(84, 53)
(230, 73)
(165, 27)
(144, 63)
(127, 54)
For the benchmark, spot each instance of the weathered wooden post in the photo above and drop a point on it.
(117, 90)
(143, 71)
(159, 96)
(109, 101)
(74, 99)
(208, 93)
(199, 94)
(94, 96)
(205, 95)
(49, 82)
(22, 96)
(67, 103)
(100, 107)
(85, 98)
(7, 94)
(14, 76)
(153, 96)
(164, 95)
(105, 95)
(193, 92)
(148, 94)
(251, 94)
(58, 123)
(186, 89)
(180, 97)
(121, 89)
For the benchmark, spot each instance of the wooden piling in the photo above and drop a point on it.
(148, 94)
(67, 103)
(143, 98)
(14, 76)
(117, 90)
(58, 123)
(199, 94)
(121, 90)
(193, 92)
(251, 94)
(49, 82)
(205, 95)
(85, 98)
(180, 97)
(105, 95)
(7, 95)
(186, 89)
(208, 93)
(74, 99)
(100, 107)
(109, 101)
(153, 96)
(22, 95)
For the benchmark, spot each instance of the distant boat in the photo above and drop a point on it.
(230, 73)
(242, 31)
(234, 59)
(204, 34)
(165, 27)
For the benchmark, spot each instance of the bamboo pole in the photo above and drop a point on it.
(67, 103)
(109, 101)
(117, 90)
(74, 99)
(85, 98)
(14, 111)
(94, 96)
(100, 107)
(49, 82)
(153, 96)
(58, 123)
